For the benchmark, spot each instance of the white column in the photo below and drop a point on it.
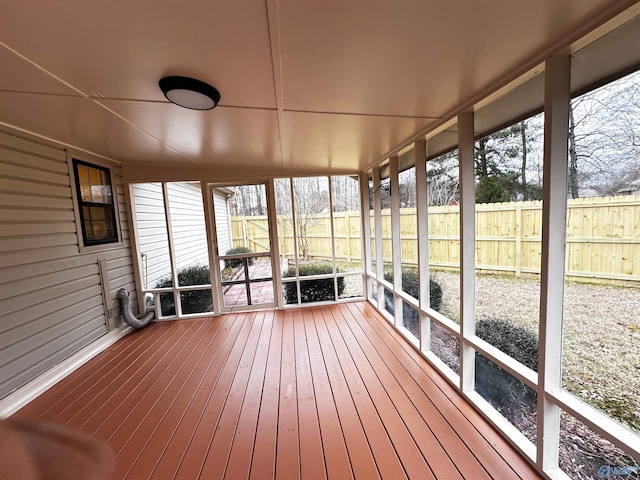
(172, 254)
(467, 249)
(212, 243)
(396, 247)
(272, 218)
(378, 230)
(554, 211)
(422, 213)
(365, 229)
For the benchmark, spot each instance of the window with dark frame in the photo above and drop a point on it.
(95, 202)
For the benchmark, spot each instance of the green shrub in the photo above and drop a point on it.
(236, 262)
(411, 285)
(497, 386)
(312, 290)
(514, 340)
(192, 301)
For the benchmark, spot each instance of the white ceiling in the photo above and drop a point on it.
(305, 84)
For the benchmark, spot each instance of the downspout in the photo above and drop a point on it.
(127, 314)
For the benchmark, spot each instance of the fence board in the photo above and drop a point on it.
(603, 237)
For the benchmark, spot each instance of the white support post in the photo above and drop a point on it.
(467, 249)
(365, 225)
(333, 239)
(172, 253)
(422, 214)
(272, 218)
(377, 213)
(212, 240)
(396, 246)
(557, 98)
(134, 244)
(295, 239)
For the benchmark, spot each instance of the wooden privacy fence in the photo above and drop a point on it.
(603, 237)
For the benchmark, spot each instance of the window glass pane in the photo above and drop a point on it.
(196, 301)
(240, 274)
(385, 202)
(513, 399)
(95, 184)
(85, 183)
(508, 238)
(353, 286)
(284, 217)
(320, 290)
(289, 292)
(99, 223)
(261, 292)
(443, 195)
(446, 346)
(586, 455)
(411, 320)
(389, 304)
(247, 206)
(345, 197)
(167, 304)
(373, 289)
(188, 228)
(408, 232)
(313, 227)
(151, 228)
(601, 347)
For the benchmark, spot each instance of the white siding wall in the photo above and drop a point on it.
(223, 225)
(51, 302)
(187, 223)
(152, 232)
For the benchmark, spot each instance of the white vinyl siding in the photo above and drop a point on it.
(223, 223)
(188, 226)
(51, 301)
(151, 227)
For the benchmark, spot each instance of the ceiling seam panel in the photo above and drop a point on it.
(93, 99)
(140, 129)
(357, 114)
(42, 70)
(273, 24)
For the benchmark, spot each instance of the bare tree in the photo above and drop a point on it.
(604, 138)
(443, 186)
(310, 198)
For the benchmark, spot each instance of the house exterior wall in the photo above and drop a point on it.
(188, 229)
(188, 224)
(51, 295)
(223, 221)
(148, 205)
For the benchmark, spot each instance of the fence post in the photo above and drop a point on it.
(518, 261)
(347, 221)
(245, 240)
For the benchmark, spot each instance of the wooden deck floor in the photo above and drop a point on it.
(322, 392)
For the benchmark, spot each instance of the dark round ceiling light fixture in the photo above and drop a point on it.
(189, 93)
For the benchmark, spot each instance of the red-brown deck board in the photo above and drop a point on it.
(321, 392)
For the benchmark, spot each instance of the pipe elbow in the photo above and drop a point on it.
(127, 313)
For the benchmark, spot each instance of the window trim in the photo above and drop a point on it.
(73, 157)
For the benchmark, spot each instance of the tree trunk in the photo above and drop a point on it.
(573, 157)
(260, 208)
(523, 136)
(482, 154)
